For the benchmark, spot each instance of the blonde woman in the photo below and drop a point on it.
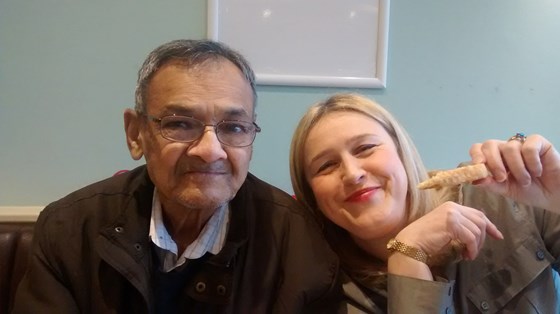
(486, 247)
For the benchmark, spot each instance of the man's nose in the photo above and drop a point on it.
(208, 147)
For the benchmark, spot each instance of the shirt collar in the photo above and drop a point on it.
(211, 238)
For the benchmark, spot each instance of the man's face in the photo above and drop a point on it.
(203, 174)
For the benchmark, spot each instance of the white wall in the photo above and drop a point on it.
(458, 72)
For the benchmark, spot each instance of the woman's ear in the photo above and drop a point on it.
(133, 135)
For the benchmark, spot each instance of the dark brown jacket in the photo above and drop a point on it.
(92, 254)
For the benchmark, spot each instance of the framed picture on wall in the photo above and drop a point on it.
(329, 43)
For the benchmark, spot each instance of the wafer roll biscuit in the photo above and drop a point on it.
(455, 176)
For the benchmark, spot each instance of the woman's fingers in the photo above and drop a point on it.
(531, 152)
(472, 234)
(450, 222)
(471, 228)
(511, 153)
(518, 159)
(492, 230)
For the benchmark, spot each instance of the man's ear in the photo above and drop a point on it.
(133, 135)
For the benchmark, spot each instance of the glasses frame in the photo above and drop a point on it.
(215, 126)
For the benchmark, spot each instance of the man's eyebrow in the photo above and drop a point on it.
(178, 110)
(236, 113)
(230, 113)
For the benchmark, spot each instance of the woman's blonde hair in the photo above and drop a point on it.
(418, 202)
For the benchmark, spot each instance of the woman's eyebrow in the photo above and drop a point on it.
(320, 155)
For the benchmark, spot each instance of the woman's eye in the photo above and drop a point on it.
(365, 148)
(325, 167)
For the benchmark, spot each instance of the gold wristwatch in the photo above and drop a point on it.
(395, 245)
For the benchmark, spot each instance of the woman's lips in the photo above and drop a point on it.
(361, 195)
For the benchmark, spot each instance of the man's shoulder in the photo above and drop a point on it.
(262, 191)
(271, 202)
(102, 198)
(275, 208)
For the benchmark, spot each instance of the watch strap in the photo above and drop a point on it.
(395, 245)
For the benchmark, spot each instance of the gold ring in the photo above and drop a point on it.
(518, 137)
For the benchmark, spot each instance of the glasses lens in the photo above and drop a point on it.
(181, 129)
(236, 133)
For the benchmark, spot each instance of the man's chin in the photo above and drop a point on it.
(201, 199)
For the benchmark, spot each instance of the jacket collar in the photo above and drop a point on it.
(124, 243)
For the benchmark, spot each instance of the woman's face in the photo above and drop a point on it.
(356, 175)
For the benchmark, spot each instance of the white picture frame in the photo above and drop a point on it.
(328, 43)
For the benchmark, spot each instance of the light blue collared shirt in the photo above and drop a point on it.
(211, 238)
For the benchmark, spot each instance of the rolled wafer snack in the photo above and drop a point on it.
(455, 176)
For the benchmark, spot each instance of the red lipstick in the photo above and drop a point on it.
(361, 195)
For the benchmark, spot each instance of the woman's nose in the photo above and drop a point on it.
(352, 171)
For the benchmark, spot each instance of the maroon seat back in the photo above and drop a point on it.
(15, 243)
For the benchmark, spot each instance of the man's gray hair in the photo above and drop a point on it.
(190, 53)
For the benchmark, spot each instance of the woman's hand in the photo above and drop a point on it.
(450, 221)
(526, 171)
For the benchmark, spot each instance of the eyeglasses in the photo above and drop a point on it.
(187, 129)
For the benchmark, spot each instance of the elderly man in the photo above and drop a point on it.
(190, 231)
